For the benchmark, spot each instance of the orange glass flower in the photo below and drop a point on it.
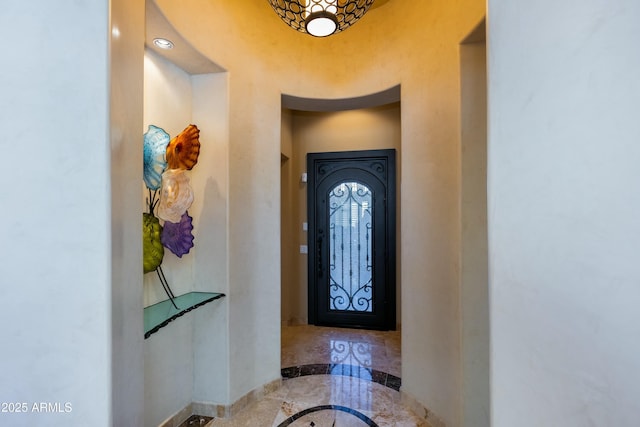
(184, 149)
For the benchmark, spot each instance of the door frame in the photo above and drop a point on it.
(388, 158)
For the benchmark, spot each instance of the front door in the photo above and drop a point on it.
(351, 213)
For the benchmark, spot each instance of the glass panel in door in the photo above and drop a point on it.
(350, 249)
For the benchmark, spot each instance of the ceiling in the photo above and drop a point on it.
(384, 97)
(183, 54)
(192, 61)
(378, 3)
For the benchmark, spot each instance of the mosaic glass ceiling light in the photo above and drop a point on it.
(320, 18)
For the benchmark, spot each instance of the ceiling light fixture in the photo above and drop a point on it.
(163, 43)
(320, 18)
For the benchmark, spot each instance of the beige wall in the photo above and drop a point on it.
(563, 197)
(313, 132)
(288, 230)
(125, 82)
(196, 367)
(387, 47)
(168, 104)
(474, 276)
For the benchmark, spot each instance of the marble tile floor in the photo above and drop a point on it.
(333, 377)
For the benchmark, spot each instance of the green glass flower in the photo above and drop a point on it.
(152, 249)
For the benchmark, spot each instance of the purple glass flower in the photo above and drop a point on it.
(177, 237)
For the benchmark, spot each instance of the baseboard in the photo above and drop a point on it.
(229, 411)
(221, 411)
(420, 410)
(294, 321)
(179, 417)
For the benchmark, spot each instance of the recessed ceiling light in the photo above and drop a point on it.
(163, 43)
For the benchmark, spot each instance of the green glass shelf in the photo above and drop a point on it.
(159, 315)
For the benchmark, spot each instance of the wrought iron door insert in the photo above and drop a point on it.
(351, 207)
(350, 263)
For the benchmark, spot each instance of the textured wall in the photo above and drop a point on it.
(126, 103)
(70, 278)
(388, 47)
(168, 354)
(185, 361)
(563, 204)
(474, 279)
(313, 132)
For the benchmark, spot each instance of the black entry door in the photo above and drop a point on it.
(351, 213)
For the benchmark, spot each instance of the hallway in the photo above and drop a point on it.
(333, 378)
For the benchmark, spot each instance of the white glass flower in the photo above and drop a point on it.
(176, 195)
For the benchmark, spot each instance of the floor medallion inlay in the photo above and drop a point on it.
(333, 377)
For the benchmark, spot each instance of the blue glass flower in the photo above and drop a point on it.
(177, 237)
(155, 147)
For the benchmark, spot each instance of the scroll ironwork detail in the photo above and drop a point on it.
(350, 248)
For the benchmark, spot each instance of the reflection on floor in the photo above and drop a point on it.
(333, 378)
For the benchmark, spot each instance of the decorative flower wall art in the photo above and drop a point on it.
(165, 164)
(151, 243)
(176, 195)
(183, 150)
(177, 237)
(155, 147)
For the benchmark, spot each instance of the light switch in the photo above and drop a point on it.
(303, 178)
(305, 226)
(304, 249)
